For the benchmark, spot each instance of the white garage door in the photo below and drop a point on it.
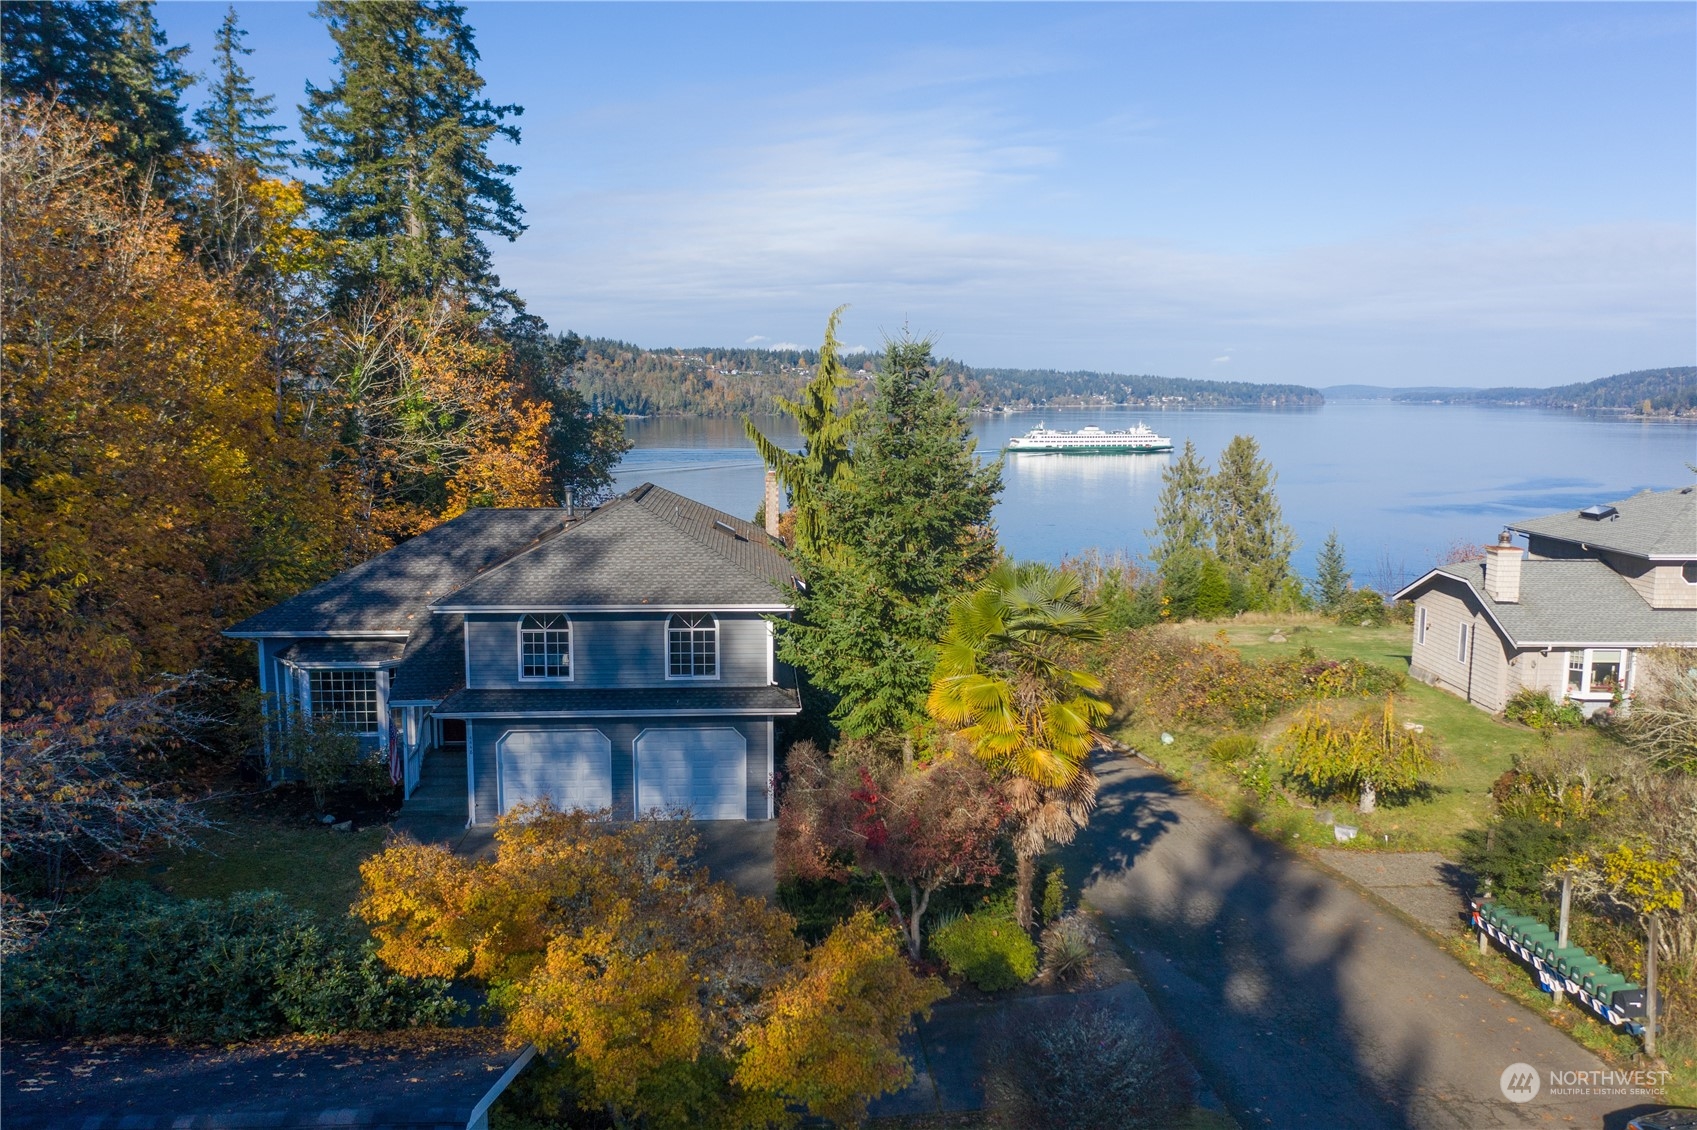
(573, 768)
(702, 770)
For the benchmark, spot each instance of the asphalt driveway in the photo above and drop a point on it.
(1302, 1001)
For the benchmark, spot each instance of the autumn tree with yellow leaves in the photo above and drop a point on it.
(676, 1001)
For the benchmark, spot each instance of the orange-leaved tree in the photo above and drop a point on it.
(601, 943)
(147, 496)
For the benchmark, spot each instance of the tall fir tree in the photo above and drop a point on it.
(918, 505)
(110, 60)
(1250, 535)
(235, 123)
(401, 140)
(1183, 507)
(1331, 574)
(825, 430)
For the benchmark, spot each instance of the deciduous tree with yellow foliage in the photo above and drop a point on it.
(677, 1001)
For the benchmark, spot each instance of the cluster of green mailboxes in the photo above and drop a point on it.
(1567, 968)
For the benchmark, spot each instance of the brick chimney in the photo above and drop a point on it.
(1502, 570)
(774, 503)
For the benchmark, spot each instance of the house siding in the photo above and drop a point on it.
(1484, 675)
(612, 650)
(622, 733)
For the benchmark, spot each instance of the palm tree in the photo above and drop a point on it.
(1002, 684)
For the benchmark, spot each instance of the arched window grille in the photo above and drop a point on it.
(545, 647)
(692, 647)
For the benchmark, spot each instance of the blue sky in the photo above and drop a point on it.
(1468, 194)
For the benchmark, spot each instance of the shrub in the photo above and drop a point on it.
(987, 948)
(133, 961)
(1365, 608)
(1054, 894)
(1538, 710)
(1069, 947)
(1260, 774)
(1371, 756)
(1230, 749)
(1084, 1067)
(325, 755)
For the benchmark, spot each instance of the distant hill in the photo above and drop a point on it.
(710, 381)
(1646, 392)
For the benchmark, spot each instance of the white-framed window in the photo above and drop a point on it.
(1597, 671)
(347, 697)
(545, 647)
(692, 647)
(1461, 639)
(1420, 625)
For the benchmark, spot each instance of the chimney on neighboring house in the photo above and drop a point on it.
(566, 503)
(1502, 570)
(774, 503)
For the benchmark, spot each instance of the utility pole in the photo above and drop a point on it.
(1561, 929)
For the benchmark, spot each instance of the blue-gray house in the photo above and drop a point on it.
(621, 658)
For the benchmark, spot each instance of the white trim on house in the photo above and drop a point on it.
(718, 674)
(479, 1119)
(471, 781)
(1485, 610)
(571, 652)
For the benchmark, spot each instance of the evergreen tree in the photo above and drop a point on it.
(1250, 536)
(1182, 509)
(236, 123)
(1331, 574)
(825, 430)
(918, 505)
(1213, 590)
(401, 140)
(108, 60)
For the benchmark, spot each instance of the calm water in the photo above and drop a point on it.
(1401, 482)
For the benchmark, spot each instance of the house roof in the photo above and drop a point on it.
(1660, 525)
(388, 594)
(1576, 602)
(648, 548)
(342, 653)
(414, 1080)
(434, 665)
(603, 702)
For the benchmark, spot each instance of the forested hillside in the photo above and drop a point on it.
(1671, 391)
(718, 382)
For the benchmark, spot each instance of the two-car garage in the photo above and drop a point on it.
(699, 769)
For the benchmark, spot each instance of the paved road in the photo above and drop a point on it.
(1302, 1000)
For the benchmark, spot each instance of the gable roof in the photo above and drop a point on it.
(648, 548)
(1659, 525)
(1569, 603)
(388, 594)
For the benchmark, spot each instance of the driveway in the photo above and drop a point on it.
(1301, 1000)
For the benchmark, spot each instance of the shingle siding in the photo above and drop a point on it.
(613, 650)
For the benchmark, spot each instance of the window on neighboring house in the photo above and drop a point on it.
(1576, 672)
(1420, 625)
(1461, 644)
(692, 647)
(545, 647)
(1606, 668)
(348, 698)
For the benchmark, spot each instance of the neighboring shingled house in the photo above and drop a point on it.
(620, 659)
(1596, 586)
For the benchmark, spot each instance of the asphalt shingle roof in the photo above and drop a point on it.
(646, 547)
(390, 592)
(1649, 524)
(434, 665)
(330, 653)
(1574, 602)
(601, 701)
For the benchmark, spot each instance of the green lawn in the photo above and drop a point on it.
(1478, 748)
(315, 868)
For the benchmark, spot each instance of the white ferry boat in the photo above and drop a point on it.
(1091, 441)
